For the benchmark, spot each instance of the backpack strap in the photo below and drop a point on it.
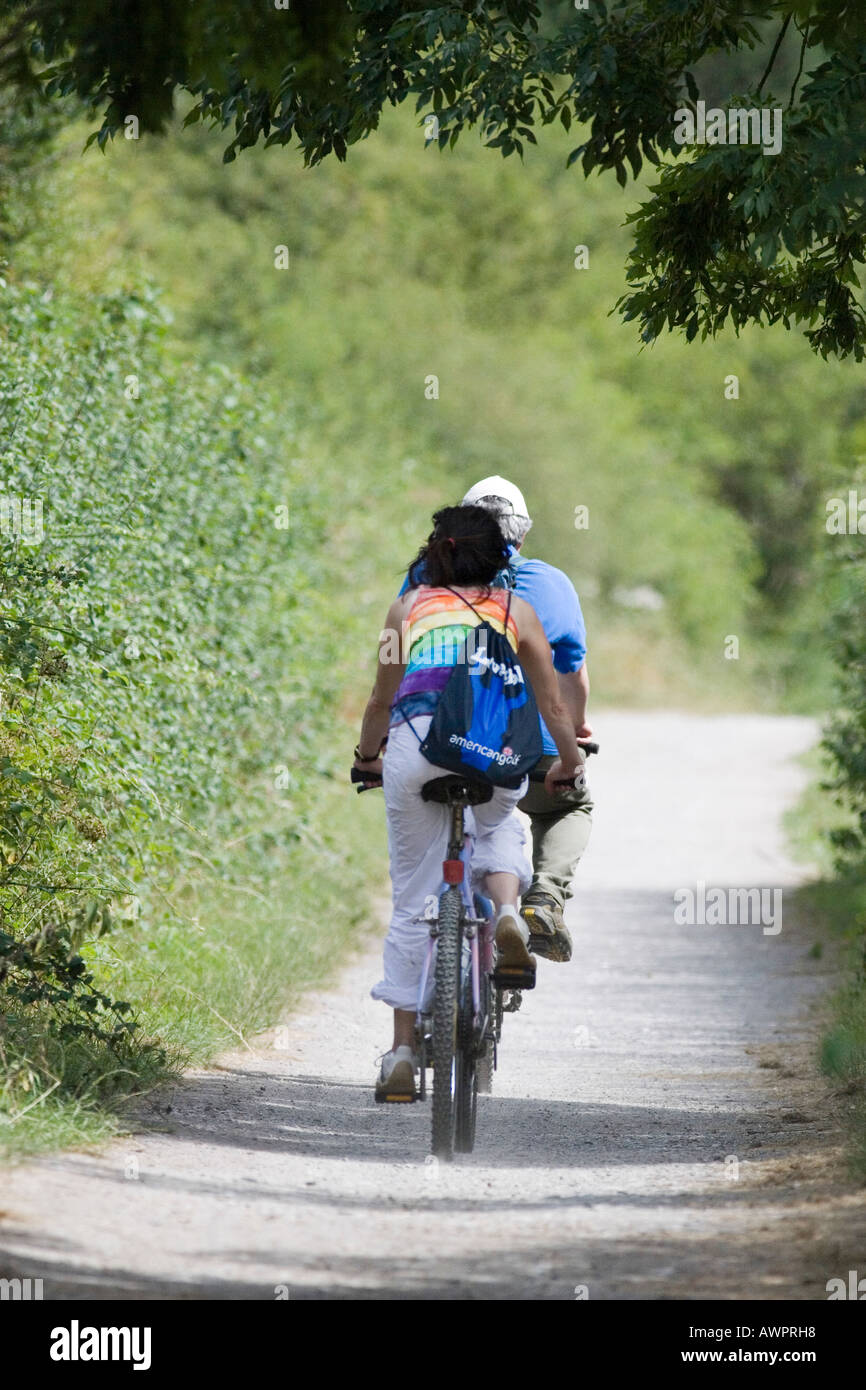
(505, 625)
(475, 610)
(398, 705)
(507, 577)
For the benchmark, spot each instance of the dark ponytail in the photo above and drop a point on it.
(465, 548)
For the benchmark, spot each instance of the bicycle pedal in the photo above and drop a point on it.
(515, 978)
(396, 1100)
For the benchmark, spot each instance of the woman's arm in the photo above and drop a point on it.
(537, 661)
(389, 673)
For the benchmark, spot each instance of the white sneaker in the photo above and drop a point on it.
(396, 1081)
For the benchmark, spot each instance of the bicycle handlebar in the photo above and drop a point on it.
(371, 780)
(537, 776)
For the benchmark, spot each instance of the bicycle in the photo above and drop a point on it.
(458, 1037)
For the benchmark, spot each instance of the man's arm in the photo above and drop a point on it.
(553, 596)
(534, 652)
(574, 689)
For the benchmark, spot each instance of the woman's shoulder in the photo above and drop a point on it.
(522, 611)
(402, 605)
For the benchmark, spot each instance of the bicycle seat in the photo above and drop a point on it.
(453, 788)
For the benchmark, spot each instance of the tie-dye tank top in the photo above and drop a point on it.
(435, 631)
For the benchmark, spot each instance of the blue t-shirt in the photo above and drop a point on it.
(554, 598)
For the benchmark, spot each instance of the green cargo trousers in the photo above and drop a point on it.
(560, 833)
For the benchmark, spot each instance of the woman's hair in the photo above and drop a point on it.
(466, 546)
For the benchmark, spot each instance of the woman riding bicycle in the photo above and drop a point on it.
(424, 634)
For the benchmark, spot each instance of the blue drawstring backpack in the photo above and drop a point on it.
(486, 722)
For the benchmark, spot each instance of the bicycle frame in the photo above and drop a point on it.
(477, 935)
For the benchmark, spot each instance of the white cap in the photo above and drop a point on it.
(499, 488)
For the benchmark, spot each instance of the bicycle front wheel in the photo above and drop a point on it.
(445, 1023)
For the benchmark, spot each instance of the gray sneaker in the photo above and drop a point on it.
(549, 936)
(396, 1083)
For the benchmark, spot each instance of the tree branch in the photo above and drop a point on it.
(776, 46)
(805, 33)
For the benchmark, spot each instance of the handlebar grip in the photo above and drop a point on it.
(537, 776)
(560, 781)
(370, 779)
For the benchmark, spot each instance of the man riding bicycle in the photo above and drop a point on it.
(561, 822)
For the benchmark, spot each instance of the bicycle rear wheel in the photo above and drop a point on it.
(466, 1069)
(444, 1048)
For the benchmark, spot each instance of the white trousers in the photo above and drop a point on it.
(417, 845)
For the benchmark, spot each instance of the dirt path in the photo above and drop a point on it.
(658, 1128)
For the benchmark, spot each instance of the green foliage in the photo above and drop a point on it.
(730, 235)
(406, 262)
(172, 667)
(845, 738)
(735, 235)
(136, 635)
(203, 648)
(843, 1047)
